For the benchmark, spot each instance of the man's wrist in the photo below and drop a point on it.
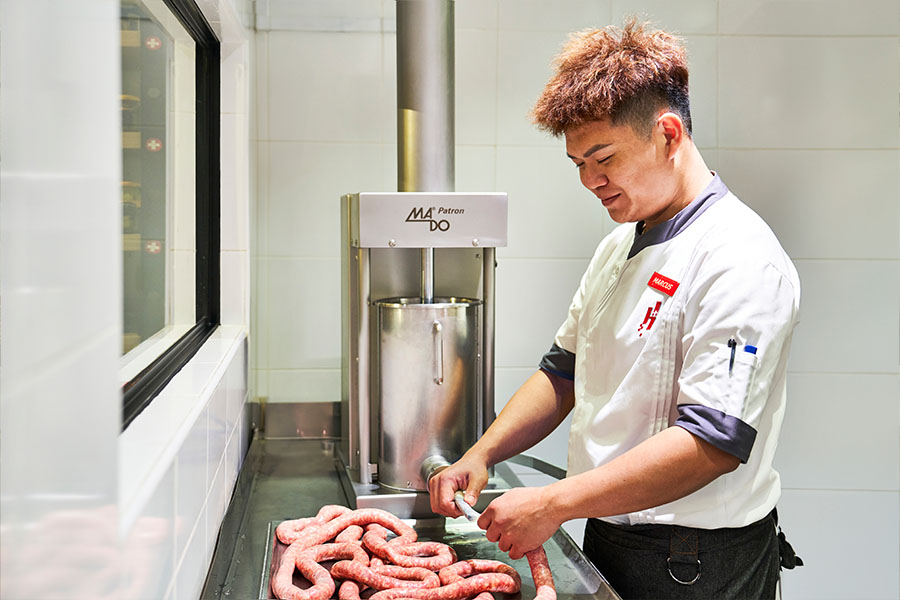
(557, 500)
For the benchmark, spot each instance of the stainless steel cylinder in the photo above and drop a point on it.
(429, 384)
(425, 106)
(425, 96)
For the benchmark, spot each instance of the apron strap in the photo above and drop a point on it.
(684, 549)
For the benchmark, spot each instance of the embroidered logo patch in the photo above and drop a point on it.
(650, 319)
(663, 284)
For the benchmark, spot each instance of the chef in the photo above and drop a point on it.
(673, 357)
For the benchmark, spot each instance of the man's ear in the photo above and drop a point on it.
(671, 127)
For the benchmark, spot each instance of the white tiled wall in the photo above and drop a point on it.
(60, 283)
(794, 103)
(134, 515)
(180, 458)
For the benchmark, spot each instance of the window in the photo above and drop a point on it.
(170, 192)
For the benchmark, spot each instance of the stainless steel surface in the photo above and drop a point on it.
(409, 504)
(487, 396)
(428, 384)
(574, 576)
(427, 275)
(287, 479)
(428, 219)
(314, 420)
(537, 464)
(425, 95)
(433, 465)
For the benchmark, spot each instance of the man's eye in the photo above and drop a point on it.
(578, 165)
(603, 160)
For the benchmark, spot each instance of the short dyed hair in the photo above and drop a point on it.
(624, 75)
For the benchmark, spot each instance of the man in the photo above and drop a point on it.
(673, 357)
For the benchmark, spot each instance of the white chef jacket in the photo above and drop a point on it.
(688, 324)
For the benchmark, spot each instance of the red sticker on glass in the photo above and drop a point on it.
(663, 284)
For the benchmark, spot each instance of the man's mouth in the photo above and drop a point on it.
(609, 200)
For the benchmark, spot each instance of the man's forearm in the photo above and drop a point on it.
(664, 468)
(535, 410)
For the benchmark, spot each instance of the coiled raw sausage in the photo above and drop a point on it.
(399, 568)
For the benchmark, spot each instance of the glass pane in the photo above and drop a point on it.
(158, 161)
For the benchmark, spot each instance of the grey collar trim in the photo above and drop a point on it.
(668, 230)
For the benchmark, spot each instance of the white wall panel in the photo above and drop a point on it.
(821, 448)
(306, 182)
(235, 181)
(562, 16)
(259, 299)
(304, 313)
(523, 69)
(149, 546)
(309, 102)
(822, 203)
(216, 429)
(261, 73)
(824, 527)
(475, 14)
(191, 482)
(304, 385)
(704, 89)
(235, 383)
(476, 86)
(682, 18)
(848, 317)
(194, 564)
(809, 17)
(808, 92)
(476, 169)
(533, 297)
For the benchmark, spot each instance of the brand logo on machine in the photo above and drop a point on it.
(420, 214)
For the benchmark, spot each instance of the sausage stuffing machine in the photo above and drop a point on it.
(418, 386)
(418, 291)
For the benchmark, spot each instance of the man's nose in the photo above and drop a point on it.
(594, 178)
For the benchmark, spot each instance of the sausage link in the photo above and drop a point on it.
(307, 562)
(427, 555)
(465, 588)
(353, 534)
(540, 572)
(465, 568)
(389, 577)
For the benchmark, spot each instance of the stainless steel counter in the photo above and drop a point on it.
(288, 479)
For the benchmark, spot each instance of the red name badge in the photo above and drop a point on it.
(663, 284)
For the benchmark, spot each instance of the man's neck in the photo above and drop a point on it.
(695, 177)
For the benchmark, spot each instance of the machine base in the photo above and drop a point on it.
(408, 504)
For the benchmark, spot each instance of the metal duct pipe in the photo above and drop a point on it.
(425, 92)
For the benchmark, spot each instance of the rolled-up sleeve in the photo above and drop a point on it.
(737, 322)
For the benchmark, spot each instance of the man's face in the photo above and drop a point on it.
(630, 174)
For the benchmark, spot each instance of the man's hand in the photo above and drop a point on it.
(519, 521)
(468, 474)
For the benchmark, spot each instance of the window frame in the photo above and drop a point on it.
(140, 391)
